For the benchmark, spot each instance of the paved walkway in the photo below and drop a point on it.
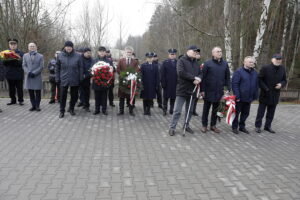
(109, 157)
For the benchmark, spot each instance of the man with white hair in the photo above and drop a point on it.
(123, 64)
(216, 76)
(33, 64)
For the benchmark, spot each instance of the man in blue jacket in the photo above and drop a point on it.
(245, 88)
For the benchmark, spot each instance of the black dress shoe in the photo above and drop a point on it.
(131, 113)
(235, 131)
(61, 115)
(164, 113)
(257, 130)
(171, 112)
(51, 101)
(171, 132)
(195, 114)
(120, 113)
(32, 109)
(96, 112)
(87, 109)
(38, 109)
(269, 130)
(244, 130)
(0, 111)
(80, 105)
(189, 130)
(21, 103)
(112, 105)
(104, 112)
(11, 103)
(72, 112)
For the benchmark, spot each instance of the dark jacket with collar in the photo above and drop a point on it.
(168, 78)
(69, 69)
(216, 75)
(13, 68)
(269, 76)
(187, 70)
(245, 84)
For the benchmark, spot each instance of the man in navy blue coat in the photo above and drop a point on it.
(150, 81)
(216, 76)
(245, 88)
(14, 74)
(168, 76)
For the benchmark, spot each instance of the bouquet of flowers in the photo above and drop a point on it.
(102, 74)
(227, 109)
(9, 55)
(130, 82)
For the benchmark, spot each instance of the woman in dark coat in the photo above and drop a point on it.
(150, 80)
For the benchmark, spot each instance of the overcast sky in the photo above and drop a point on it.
(135, 15)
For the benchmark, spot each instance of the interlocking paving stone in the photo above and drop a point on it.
(114, 157)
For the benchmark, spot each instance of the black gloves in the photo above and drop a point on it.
(31, 75)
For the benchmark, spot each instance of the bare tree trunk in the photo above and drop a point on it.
(261, 29)
(227, 39)
(291, 71)
(286, 22)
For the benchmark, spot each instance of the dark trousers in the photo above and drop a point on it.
(242, 113)
(35, 98)
(84, 93)
(159, 96)
(165, 104)
(64, 94)
(206, 108)
(261, 113)
(122, 103)
(54, 86)
(147, 105)
(111, 94)
(100, 100)
(195, 105)
(13, 86)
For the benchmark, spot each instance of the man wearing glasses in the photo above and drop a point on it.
(272, 78)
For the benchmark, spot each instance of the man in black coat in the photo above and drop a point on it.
(85, 85)
(55, 88)
(100, 91)
(15, 74)
(216, 76)
(189, 76)
(168, 78)
(68, 73)
(272, 78)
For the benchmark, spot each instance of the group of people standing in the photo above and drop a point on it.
(174, 83)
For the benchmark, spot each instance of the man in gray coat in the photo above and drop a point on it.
(33, 64)
(69, 73)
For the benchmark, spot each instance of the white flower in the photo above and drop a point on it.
(219, 114)
(140, 80)
(127, 73)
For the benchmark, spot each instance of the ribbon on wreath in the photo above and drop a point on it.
(230, 103)
(132, 90)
